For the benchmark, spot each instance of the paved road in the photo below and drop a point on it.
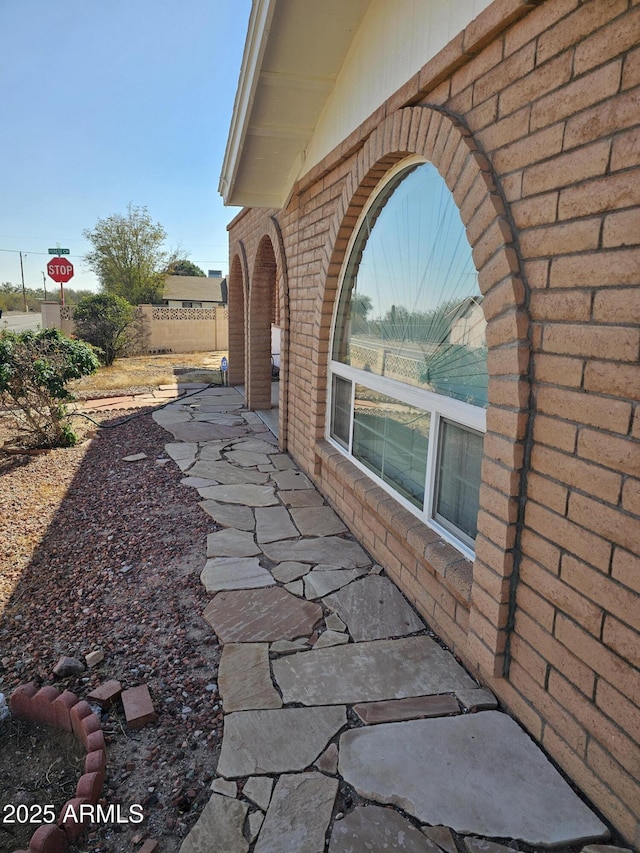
(16, 321)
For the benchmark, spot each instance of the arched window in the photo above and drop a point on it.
(408, 361)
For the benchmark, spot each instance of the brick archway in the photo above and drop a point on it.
(238, 278)
(444, 140)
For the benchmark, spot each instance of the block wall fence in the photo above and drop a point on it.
(532, 117)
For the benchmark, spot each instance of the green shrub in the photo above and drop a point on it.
(104, 320)
(34, 370)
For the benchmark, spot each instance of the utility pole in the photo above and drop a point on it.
(24, 292)
(44, 284)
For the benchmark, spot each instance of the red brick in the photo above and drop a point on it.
(90, 786)
(95, 741)
(621, 343)
(608, 118)
(584, 408)
(62, 707)
(534, 148)
(48, 839)
(539, 20)
(88, 725)
(620, 380)
(149, 846)
(558, 594)
(546, 78)
(512, 68)
(77, 713)
(42, 709)
(561, 239)
(106, 694)
(631, 496)
(73, 828)
(20, 701)
(95, 762)
(530, 602)
(138, 707)
(530, 212)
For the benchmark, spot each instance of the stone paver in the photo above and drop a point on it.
(244, 678)
(232, 543)
(234, 573)
(328, 761)
(442, 836)
(334, 622)
(299, 814)
(199, 431)
(230, 515)
(273, 524)
(413, 708)
(290, 571)
(374, 609)
(181, 450)
(485, 777)
(247, 459)
(369, 672)
(319, 583)
(288, 647)
(258, 789)
(317, 521)
(330, 638)
(224, 787)
(292, 479)
(261, 615)
(305, 497)
(477, 699)
(228, 475)
(255, 445)
(295, 588)
(219, 827)
(247, 495)
(340, 553)
(370, 828)
(280, 741)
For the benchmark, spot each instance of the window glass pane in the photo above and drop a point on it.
(391, 438)
(460, 459)
(410, 307)
(341, 412)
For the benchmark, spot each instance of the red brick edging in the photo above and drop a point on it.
(64, 711)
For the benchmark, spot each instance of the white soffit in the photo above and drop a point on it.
(293, 54)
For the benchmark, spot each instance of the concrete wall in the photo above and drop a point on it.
(531, 116)
(170, 329)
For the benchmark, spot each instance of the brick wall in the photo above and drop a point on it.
(532, 117)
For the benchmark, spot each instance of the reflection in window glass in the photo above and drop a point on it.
(391, 438)
(341, 412)
(458, 487)
(410, 308)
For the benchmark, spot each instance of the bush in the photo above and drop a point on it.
(34, 370)
(103, 320)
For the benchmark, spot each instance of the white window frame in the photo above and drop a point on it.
(438, 405)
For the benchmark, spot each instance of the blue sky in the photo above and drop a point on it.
(107, 102)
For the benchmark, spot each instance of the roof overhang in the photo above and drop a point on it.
(292, 57)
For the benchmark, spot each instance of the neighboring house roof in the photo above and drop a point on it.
(195, 288)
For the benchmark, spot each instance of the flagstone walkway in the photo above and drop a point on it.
(346, 724)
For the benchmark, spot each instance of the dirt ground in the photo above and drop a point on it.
(101, 554)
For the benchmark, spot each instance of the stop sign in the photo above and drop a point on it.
(60, 270)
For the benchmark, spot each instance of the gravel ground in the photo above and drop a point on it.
(98, 553)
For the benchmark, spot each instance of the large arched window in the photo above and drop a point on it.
(408, 362)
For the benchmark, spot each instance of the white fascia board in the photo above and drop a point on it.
(258, 33)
